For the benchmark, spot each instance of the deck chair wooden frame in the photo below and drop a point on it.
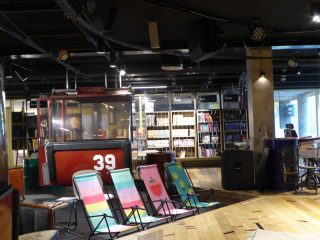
(136, 210)
(94, 230)
(158, 193)
(191, 196)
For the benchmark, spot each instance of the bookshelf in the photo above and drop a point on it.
(158, 131)
(209, 133)
(235, 127)
(183, 134)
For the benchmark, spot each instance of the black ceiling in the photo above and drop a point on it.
(34, 31)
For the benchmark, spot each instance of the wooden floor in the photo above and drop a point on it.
(284, 212)
(294, 214)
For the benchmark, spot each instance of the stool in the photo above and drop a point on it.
(311, 173)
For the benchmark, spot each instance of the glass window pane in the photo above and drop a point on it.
(297, 107)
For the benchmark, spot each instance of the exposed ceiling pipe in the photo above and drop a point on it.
(21, 36)
(72, 14)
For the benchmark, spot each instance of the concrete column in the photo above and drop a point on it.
(260, 97)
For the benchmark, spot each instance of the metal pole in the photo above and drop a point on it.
(67, 79)
(105, 80)
(120, 83)
(75, 81)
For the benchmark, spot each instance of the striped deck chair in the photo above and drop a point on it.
(130, 199)
(185, 188)
(96, 208)
(158, 194)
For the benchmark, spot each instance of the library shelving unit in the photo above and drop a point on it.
(209, 133)
(158, 130)
(183, 132)
(32, 136)
(235, 127)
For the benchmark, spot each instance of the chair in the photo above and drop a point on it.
(107, 196)
(185, 188)
(96, 208)
(130, 199)
(158, 194)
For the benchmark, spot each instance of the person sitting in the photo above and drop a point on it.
(289, 131)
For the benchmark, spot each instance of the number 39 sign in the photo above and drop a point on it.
(102, 160)
(108, 162)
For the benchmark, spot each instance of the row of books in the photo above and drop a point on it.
(158, 143)
(183, 133)
(179, 119)
(207, 117)
(209, 139)
(235, 126)
(183, 143)
(154, 120)
(158, 133)
(209, 127)
(208, 152)
(234, 138)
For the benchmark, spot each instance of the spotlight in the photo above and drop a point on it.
(262, 74)
(299, 71)
(122, 70)
(63, 55)
(113, 63)
(292, 63)
(257, 32)
(101, 47)
(315, 12)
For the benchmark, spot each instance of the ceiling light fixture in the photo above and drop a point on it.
(113, 62)
(171, 62)
(101, 47)
(122, 70)
(315, 12)
(149, 87)
(257, 32)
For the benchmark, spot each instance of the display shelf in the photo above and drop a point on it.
(235, 127)
(158, 130)
(19, 133)
(209, 133)
(183, 134)
(32, 139)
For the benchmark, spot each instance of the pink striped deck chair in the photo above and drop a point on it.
(131, 201)
(158, 194)
(96, 208)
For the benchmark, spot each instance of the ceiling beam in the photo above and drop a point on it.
(26, 7)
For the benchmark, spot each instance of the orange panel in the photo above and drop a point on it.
(16, 179)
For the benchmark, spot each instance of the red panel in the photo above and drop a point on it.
(6, 216)
(69, 162)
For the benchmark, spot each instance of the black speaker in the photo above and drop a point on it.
(237, 171)
(206, 41)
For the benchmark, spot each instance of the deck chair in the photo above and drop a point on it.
(131, 201)
(96, 208)
(107, 196)
(185, 188)
(158, 194)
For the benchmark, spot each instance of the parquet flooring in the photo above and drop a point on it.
(284, 212)
(293, 214)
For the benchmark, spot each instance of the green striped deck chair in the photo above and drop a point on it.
(185, 188)
(130, 199)
(96, 208)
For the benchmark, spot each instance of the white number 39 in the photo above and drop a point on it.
(108, 162)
